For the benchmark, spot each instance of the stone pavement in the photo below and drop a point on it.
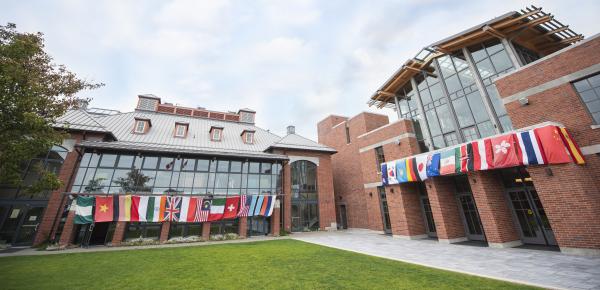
(546, 269)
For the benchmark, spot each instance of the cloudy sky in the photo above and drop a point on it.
(294, 62)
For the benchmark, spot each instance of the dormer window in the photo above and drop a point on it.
(181, 130)
(248, 136)
(216, 133)
(141, 126)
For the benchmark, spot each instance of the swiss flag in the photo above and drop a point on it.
(231, 207)
(505, 151)
(552, 145)
(104, 209)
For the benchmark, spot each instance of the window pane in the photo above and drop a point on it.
(451, 139)
(436, 91)
(80, 175)
(235, 180)
(485, 68)
(470, 134)
(594, 106)
(477, 107)
(265, 168)
(188, 164)
(223, 166)
(138, 162)
(588, 96)
(445, 118)
(265, 181)
(85, 160)
(166, 163)
(463, 113)
(501, 61)
(221, 180)
(432, 121)
(253, 180)
(150, 162)
(236, 166)
(506, 123)
(108, 160)
(254, 167)
(202, 165)
(125, 161)
(486, 129)
(94, 160)
(163, 179)
(200, 180)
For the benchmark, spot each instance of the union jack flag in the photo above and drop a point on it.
(244, 206)
(202, 215)
(172, 209)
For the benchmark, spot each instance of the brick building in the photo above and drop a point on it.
(164, 149)
(521, 70)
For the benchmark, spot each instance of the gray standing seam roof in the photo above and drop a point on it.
(79, 120)
(294, 141)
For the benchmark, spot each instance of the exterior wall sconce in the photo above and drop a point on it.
(391, 190)
(370, 194)
(549, 172)
(524, 101)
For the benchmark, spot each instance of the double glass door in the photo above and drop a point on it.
(305, 215)
(530, 215)
(428, 216)
(19, 222)
(385, 212)
(470, 217)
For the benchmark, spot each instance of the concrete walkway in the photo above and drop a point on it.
(546, 269)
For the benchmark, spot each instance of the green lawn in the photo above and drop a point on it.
(280, 264)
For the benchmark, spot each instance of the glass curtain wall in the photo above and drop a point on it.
(305, 197)
(409, 109)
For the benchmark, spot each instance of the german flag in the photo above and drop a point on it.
(411, 169)
(571, 146)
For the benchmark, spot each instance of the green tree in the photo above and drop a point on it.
(135, 181)
(34, 92)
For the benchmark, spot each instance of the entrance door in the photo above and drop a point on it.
(19, 223)
(385, 213)
(470, 216)
(305, 216)
(342, 215)
(531, 217)
(428, 216)
(99, 233)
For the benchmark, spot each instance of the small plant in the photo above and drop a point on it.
(217, 237)
(284, 233)
(188, 239)
(231, 236)
(140, 242)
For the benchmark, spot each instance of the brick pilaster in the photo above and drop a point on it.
(275, 222)
(164, 232)
(119, 233)
(405, 211)
(206, 231)
(68, 232)
(448, 224)
(243, 227)
(494, 212)
(287, 197)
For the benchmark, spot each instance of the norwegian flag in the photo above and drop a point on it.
(172, 208)
(202, 214)
(244, 206)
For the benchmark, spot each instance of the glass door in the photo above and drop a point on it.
(385, 213)
(343, 218)
(29, 225)
(531, 217)
(19, 223)
(428, 216)
(470, 216)
(305, 216)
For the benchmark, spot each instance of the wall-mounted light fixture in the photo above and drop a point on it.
(391, 190)
(549, 172)
(524, 101)
(370, 194)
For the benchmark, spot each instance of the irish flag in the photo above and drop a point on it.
(216, 209)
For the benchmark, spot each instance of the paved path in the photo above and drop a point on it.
(540, 268)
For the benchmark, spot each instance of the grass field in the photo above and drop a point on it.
(281, 264)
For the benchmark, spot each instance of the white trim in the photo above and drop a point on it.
(372, 185)
(294, 158)
(580, 251)
(415, 237)
(335, 126)
(216, 131)
(510, 244)
(452, 241)
(388, 141)
(553, 83)
(379, 128)
(137, 122)
(594, 127)
(177, 127)
(589, 150)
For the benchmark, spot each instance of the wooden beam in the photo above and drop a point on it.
(551, 32)
(563, 41)
(493, 32)
(517, 19)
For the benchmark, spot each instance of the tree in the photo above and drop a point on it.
(34, 92)
(134, 182)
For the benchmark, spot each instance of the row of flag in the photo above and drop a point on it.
(545, 145)
(136, 208)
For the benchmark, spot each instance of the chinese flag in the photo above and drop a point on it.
(551, 141)
(104, 209)
(231, 207)
(505, 152)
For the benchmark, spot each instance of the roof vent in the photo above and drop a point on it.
(291, 130)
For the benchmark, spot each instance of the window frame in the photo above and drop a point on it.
(218, 132)
(379, 160)
(136, 126)
(249, 137)
(185, 130)
(592, 89)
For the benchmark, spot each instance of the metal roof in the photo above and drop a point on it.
(79, 120)
(294, 141)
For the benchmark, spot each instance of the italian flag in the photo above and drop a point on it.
(83, 210)
(216, 209)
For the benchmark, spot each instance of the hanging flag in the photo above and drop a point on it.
(482, 154)
(470, 154)
(433, 164)
(265, 205)
(185, 206)
(153, 208)
(245, 203)
(463, 159)
(83, 210)
(116, 208)
(135, 205)
(421, 165)
(192, 208)
(401, 174)
(411, 170)
(104, 209)
(143, 208)
(552, 144)
(572, 147)
(172, 209)
(448, 161)
(384, 177)
(216, 209)
(231, 207)
(204, 210)
(259, 201)
(272, 205)
(505, 151)
(392, 173)
(124, 208)
(254, 200)
(530, 152)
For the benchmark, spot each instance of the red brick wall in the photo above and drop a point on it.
(405, 210)
(119, 233)
(441, 192)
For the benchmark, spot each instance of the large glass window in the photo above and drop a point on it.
(589, 91)
(379, 158)
(409, 109)
(305, 199)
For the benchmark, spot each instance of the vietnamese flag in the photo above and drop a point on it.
(505, 151)
(231, 207)
(552, 144)
(104, 209)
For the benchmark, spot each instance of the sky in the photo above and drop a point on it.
(294, 62)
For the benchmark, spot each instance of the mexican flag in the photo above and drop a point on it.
(216, 209)
(83, 210)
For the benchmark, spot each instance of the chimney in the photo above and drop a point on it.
(148, 102)
(291, 130)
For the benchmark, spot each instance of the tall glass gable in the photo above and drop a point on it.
(409, 109)
(129, 173)
(492, 60)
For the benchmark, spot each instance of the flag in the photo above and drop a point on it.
(462, 159)
(252, 205)
(482, 154)
(433, 165)
(245, 203)
(135, 205)
(392, 173)
(549, 137)
(153, 208)
(572, 146)
(185, 206)
(204, 210)
(83, 210)
(124, 208)
(116, 208)
(448, 161)
(172, 209)
(192, 209)
(384, 177)
(216, 209)
(231, 207)
(411, 170)
(505, 151)
(265, 205)
(401, 171)
(271, 206)
(104, 209)
(470, 154)
(421, 165)
(530, 152)
(143, 208)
